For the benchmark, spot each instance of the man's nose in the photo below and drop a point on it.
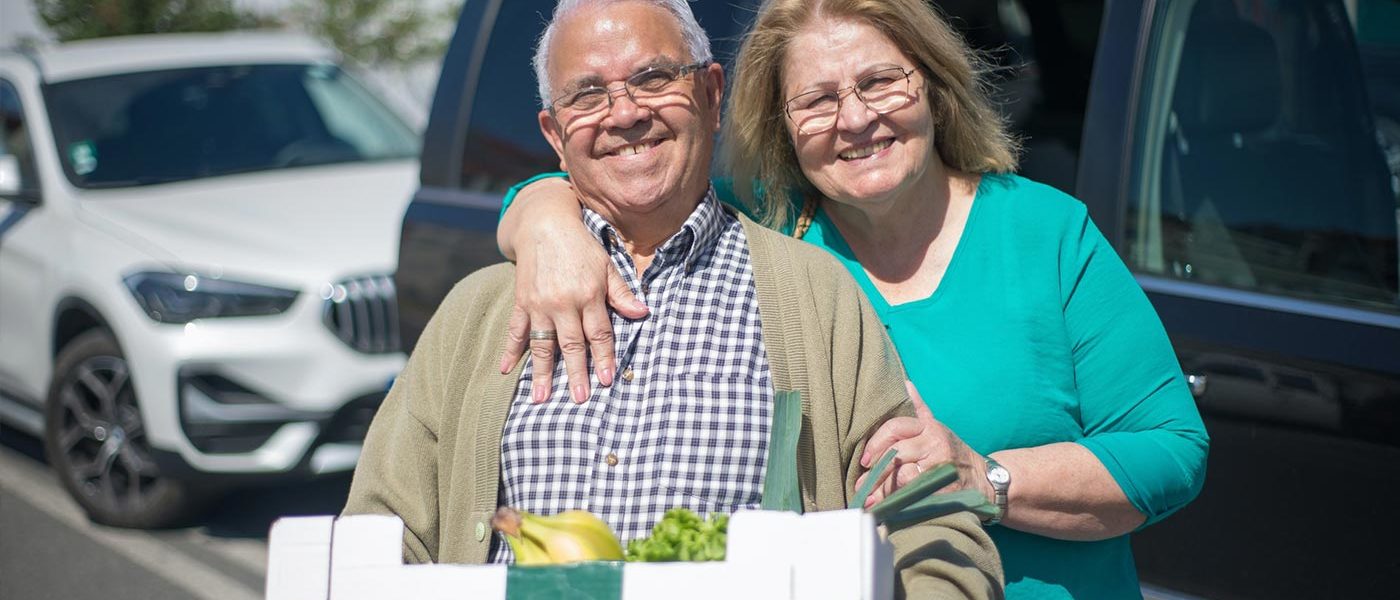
(623, 111)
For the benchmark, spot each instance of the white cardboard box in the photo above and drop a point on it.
(836, 555)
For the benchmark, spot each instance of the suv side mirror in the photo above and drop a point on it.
(12, 181)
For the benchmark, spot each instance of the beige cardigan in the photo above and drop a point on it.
(432, 455)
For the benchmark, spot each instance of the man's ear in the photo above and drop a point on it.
(714, 89)
(554, 134)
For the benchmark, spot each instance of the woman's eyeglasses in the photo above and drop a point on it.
(883, 91)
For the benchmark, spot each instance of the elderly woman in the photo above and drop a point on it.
(861, 126)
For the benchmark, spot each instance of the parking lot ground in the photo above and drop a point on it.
(49, 549)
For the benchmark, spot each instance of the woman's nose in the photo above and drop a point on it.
(853, 115)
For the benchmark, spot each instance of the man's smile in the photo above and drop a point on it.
(634, 149)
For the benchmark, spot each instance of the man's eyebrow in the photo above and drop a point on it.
(594, 80)
(582, 82)
(660, 61)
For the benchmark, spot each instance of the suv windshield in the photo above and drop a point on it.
(162, 126)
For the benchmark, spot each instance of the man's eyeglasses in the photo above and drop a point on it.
(651, 82)
(883, 91)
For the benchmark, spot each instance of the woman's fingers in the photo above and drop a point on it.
(899, 475)
(882, 485)
(559, 279)
(517, 339)
(542, 356)
(621, 298)
(574, 348)
(922, 443)
(597, 327)
(887, 435)
(900, 472)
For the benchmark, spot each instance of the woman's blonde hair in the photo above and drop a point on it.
(970, 134)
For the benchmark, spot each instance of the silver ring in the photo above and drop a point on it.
(543, 334)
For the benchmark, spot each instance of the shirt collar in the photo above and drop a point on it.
(696, 235)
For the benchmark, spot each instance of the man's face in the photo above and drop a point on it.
(632, 158)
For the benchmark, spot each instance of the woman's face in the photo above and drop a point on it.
(866, 158)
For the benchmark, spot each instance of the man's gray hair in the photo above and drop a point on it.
(695, 39)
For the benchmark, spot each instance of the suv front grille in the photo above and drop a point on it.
(363, 312)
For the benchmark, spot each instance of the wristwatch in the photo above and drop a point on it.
(1000, 479)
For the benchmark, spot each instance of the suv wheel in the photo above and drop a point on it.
(96, 440)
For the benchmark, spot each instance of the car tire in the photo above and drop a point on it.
(95, 439)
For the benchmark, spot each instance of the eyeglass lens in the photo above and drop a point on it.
(882, 92)
(646, 84)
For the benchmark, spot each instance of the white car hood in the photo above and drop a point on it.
(297, 227)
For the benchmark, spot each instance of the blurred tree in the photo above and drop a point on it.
(83, 19)
(380, 32)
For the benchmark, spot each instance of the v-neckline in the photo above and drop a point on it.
(838, 243)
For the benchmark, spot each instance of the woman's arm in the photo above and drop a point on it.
(1062, 491)
(563, 278)
(1139, 418)
(541, 196)
(1057, 490)
(1142, 455)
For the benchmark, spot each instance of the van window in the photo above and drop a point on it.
(504, 144)
(1042, 57)
(1267, 158)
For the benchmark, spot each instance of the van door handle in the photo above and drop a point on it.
(1197, 383)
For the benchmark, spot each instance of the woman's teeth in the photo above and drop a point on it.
(864, 151)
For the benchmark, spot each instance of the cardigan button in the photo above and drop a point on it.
(480, 531)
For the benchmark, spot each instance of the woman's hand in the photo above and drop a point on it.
(922, 443)
(563, 278)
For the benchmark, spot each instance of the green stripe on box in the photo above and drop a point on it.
(578, 581)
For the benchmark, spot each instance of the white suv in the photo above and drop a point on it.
(196, 239)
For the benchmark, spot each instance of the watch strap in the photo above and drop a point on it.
(1001, 489)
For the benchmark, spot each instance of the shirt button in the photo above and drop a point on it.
(646, 288)
(627, 374)
(612, 459)
(480, 531)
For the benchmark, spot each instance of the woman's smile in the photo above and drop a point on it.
(859, 153)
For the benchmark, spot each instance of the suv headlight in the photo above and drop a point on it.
(180, 298)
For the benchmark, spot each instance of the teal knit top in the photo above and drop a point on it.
(1038, 334)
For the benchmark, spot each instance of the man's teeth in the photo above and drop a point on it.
(865, 151)
(634, 149)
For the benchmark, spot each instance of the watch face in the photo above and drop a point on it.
(999, 475)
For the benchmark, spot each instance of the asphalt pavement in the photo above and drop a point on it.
(49, 549)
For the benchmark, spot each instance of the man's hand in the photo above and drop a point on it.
(563, 280)
(922, 443)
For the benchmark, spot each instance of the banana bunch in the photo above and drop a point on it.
(570, 536)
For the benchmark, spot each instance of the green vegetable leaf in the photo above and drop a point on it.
(681, 535)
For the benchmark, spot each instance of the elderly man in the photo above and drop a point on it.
(736, 312)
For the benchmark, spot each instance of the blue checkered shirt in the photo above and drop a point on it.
(685, 423)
